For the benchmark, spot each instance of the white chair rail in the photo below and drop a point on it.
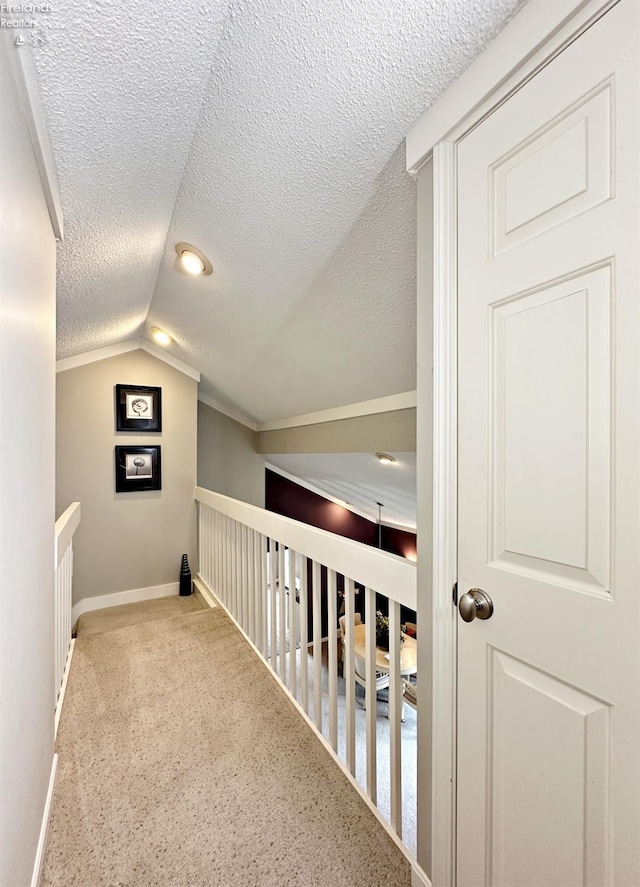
(285, 584)
(65, 527)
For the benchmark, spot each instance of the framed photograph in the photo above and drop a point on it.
(137, 468)
(138, 408)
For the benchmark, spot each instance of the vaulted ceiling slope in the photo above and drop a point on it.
(269, 133)
(358, 480)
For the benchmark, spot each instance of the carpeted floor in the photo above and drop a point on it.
(111, 618)
(182, 763)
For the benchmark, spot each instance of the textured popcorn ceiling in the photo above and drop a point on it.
(270, 133)
(360, 480)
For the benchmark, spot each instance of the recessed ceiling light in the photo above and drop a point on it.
(385, 458)
(191, 263)
(192, 260)
(160, 336)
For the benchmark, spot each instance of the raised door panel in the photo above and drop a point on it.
(550, 353)
(547, 799)
(554, 173)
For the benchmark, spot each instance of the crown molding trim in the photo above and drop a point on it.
(25, 76)
(79, 360)
(228, 411)
(405, 401)
(176, 363)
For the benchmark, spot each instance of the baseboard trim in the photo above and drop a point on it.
(63, 686)
(117, 598)
(205, 592)
(44, 828)
(418, 877)
(354, 782)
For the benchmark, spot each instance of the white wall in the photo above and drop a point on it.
(27, 392)
(126, 541)
(227, 458)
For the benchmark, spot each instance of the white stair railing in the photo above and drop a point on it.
(259, 565)
(66, 526)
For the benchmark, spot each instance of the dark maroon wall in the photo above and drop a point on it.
(291, 500)
(400, 542)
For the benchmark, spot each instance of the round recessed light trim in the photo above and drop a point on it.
(161, 336)
(192, 260)
(385, 458)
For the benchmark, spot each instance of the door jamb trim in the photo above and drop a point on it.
(445, 513)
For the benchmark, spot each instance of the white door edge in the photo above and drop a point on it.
(445, 408)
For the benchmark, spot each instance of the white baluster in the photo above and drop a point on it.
(273, 600)
(304, 635)
(293, 623)
(332, 617)
(242, 573)
(282, 607)
(317, 646)
(371, 695)
(395, 717)
(350, 674)
(262, 592)
(203, 543)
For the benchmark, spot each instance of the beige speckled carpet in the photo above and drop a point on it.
(181, 762)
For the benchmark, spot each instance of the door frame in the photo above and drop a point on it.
(539, 33)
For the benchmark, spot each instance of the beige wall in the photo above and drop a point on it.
(27, 434)
(393, 432)
(126, 540)
(227, 459)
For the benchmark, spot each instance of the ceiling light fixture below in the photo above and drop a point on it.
(193, 260)
(160, 336)
(385, 458)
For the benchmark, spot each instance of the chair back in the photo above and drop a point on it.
(357, 620)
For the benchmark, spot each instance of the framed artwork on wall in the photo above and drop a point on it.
(138, 408)
(138, 468)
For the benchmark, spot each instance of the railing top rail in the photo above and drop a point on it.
(66, 525)
(388, 574)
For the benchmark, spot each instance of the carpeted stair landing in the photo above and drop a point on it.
(181, 762)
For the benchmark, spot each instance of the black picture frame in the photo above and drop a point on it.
(137, 469)
(138, 408)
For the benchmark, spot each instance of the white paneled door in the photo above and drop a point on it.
(549, 459)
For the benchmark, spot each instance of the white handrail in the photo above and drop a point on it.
(388, 574)
(66, 525)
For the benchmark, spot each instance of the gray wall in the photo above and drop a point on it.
(126, 540)
(27, 392)
(394, 432)
(227, 458)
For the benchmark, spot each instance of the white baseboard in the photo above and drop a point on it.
(204, 591)
(44, 828)
(63, 686)
(133, 596)
(418, 877)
